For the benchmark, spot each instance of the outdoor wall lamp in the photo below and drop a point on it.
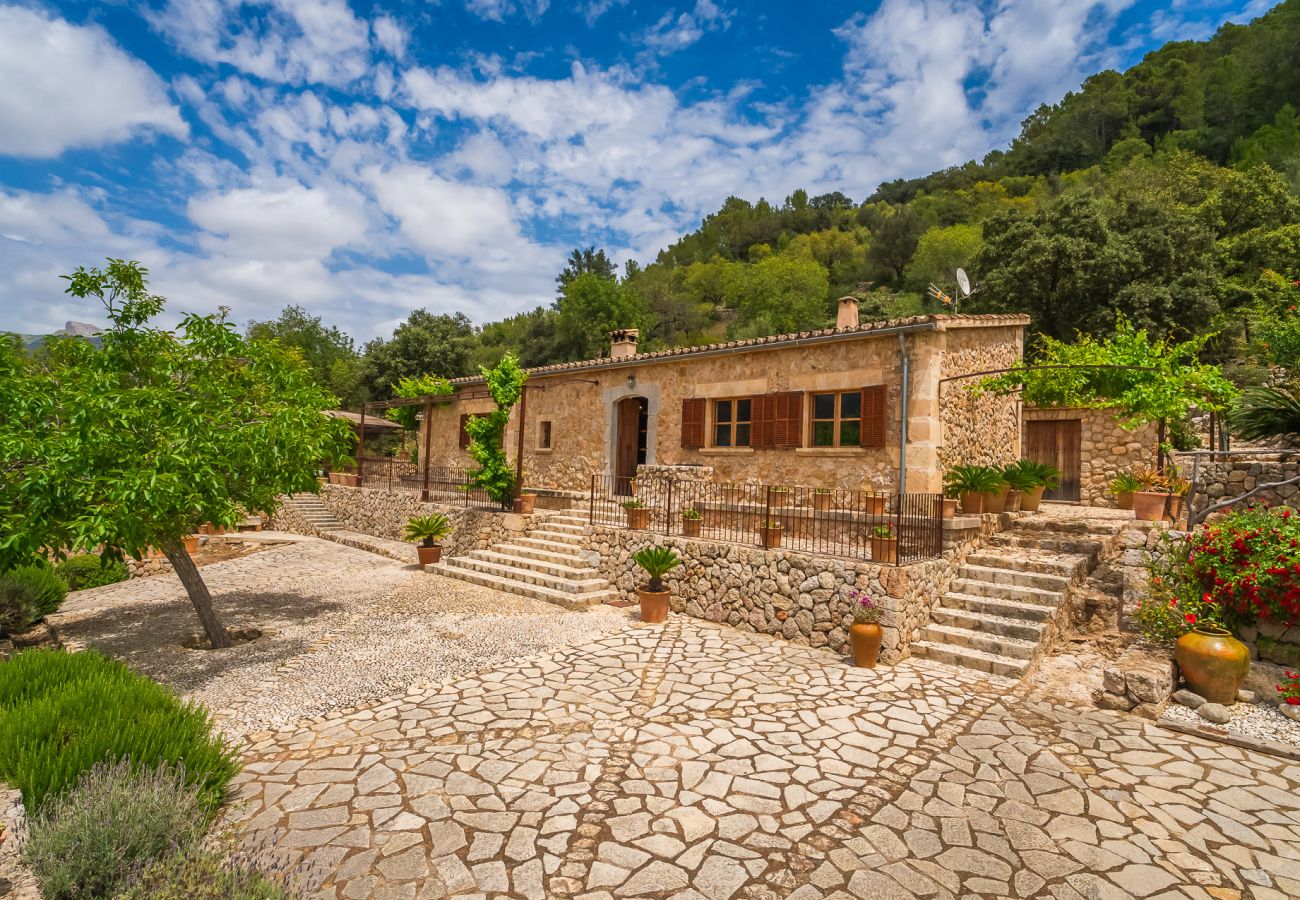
(631, 382)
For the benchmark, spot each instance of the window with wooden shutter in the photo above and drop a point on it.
(693, 423)
(464, 432)
(875, 420)
(787, 429)
(763, 435)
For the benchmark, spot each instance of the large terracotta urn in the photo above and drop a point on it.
(654, 605)
(1030, 500)
(1213, 662)
(864, 638)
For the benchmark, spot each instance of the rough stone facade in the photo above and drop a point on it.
(1105, 448)
(1222, 477)
(1140, 681)
(579, 405)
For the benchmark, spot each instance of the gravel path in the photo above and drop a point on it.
(1257, 720)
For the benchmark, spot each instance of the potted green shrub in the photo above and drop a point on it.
(951, 501)
(1152, 502)
(426, 532)
(769, 533)
(865, 634)
(1045, 478)
(692, 520)
(1022, 482)
(657, 562)
(821, 498)
(884, 543)
(972, 484)
(995, 499)
(1122, 487)
(638, 516)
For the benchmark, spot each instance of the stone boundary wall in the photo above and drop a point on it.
(150, 565)
(1222, 477)
(797, 596)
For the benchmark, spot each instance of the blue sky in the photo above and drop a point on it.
(364, 159)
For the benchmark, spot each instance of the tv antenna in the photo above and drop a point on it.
(963, 292)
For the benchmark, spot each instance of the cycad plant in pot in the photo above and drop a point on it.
(426, 532)
(1122, 487)
(972, 484)
(995, 500)
(1018, 484)
(657, 562)
(1045, 478)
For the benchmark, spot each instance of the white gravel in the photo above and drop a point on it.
(1257, 720)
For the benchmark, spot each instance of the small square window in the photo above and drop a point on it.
(544, 435)
(837, 419)
(731, 422)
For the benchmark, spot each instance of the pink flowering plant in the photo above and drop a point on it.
(866, 611)
(1289, 688)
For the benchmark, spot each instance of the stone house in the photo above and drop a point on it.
(1089, 446)
(862, 406)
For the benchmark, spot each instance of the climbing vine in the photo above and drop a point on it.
(505, 383)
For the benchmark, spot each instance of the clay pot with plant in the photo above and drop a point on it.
(822, 498)
(1019, 482)
(972, 484)
(1122, 487)
(1043, 477)
(865, 634)
(884, 544)
(654, 596)
(779, 497)
(692, 521)
(1152, 503)
(873, 504)
(524, 504)
(769, 533)
(638, 516)
(427, 532)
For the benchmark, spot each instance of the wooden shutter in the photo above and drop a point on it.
(762, 430)
(875, 419)
(787, 430)
(464, 432)
(693, 423)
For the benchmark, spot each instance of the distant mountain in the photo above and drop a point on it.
(69, 329)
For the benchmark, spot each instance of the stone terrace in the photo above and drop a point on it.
(695, 761)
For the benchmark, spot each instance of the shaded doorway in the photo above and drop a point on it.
(1056, 442)
(631, 424)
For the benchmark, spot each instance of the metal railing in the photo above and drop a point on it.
(885, 528)
(450, 485)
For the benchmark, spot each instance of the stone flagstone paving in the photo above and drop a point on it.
(695, 761)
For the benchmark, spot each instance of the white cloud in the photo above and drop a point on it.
(65, 86)
(280, 221)
(676, 31)
(499, 10)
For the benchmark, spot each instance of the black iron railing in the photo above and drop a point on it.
(883, 528)
(450, 485)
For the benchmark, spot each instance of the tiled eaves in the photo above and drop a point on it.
(867, 329)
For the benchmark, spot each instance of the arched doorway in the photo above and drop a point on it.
(631, 423)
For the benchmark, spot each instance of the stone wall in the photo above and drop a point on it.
(1106, 448)
(1221, 477)
(797, 596)
(978, 428)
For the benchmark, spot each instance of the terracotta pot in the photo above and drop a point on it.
(873, 505)
(950, 507)
(972, 502)
(733, 493)
(205, 529)
(884, 550)
(654, 605)
(1213, 662)
(1175, 507)
(691, 527)
(1030, 500)
(864, 638)
(429, 555)
(779, 498)
(1012, 503)
(995, 501)
(1124, 500)
(334, 477)
(638, 518)
(822, 501)
(1150, 506)
(771, 537)
(524, 504)
(191, 542)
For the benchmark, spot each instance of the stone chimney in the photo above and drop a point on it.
(622, 343)
(847, 314)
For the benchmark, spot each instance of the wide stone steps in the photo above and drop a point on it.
(1050, 564)
(1005, 626)
(997, 644)
(564, 599)
(996, 606)
(1072, 546)
(969, 658)
(1014, 578)
(570, 568)
(581, 583)
(523, 551)
(556, 537)
(310, 508)
(1006, 592)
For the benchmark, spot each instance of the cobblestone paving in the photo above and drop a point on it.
(695, 761)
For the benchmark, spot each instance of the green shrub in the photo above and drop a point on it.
(87, 841)
(48, 589)
(86, 570)
(61, 713)
(17, 606)
(202, 875)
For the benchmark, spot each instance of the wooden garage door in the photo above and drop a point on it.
(1056, 442)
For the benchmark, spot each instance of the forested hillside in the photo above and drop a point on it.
(1169, 193)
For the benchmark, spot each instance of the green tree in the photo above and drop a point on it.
(894, 236)
(425, 343)
(330, 353)
(132, 445)
(940, 252)
(590, 307)
(505, 383)
(589, 261)
(777, 295)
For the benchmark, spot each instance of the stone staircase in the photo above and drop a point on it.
(1006, 604)
(313, 512)
(547, 563)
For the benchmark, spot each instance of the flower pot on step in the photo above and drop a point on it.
(638, 518)
(864, 639)
(691, 527)
(995, 501)
(1030, 500)
(429, 555)
(525, 503)
(1012, 503)
(1151, 506)
(972, 503)
(654, 605)
(191, 542)
(1213, 663)
(950, 507)
(884, 550)
(821, 502)
(1124, 500)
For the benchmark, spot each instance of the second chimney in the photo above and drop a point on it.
(622, 343)
(847, 314)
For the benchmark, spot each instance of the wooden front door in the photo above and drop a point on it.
(1056, 442)
(629, 441)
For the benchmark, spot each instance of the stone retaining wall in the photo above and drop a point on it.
(1222, 477)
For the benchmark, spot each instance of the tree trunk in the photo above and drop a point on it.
(195, 586)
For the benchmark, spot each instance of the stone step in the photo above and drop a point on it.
(537, 592)
(558, 569)
(1028, 561)
(545, 543)
(566, 519)
(1071, 546)
(558, 537)
(995, 644)
(972, 620)
(971, 659)
(578, 528)
(1007, 592)
(572, 558)
(559, 583)
(1014, 578)
(997, 606)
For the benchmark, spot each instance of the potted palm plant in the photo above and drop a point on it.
(692, 519)
(769, 532)
(657, 562)
(972, 484)
(1122, 487)
(426, 532)
(1022, 482)
(884, 543)
(1045, 478)
(638, 516)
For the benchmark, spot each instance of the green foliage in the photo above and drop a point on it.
(87, 841)
(590, 307)
(1125, 483)
(777, 295)
(196, 874)
(427, 530)
(422, 344)
(413, 389)
(44, 586)
(940, 252)
(692, 513)
(657, 562)
(1039, 474)
(61, 713)
(1275, 319)
(1264, 412)
(505, 384)
(585, 261)
(329, 353)
(968, 479)
(633, 504)
(18, 608)
(1019, 477)
(87, 570)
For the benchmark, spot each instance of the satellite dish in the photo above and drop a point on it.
(963, 282)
